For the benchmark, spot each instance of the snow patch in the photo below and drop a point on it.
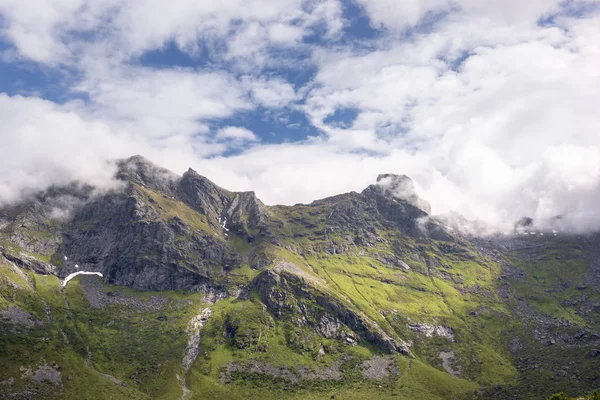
(74, 274)
(224, 223)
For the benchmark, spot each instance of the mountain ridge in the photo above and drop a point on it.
(335, 287)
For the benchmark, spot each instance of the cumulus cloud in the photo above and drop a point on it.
(118, 29)
(389, 14)
(236, 133)
(162, 102)
(43, 144)
(273, 92)
(489, 108)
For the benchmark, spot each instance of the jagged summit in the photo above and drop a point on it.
(140, 170)
(398, 188)
(192, 177)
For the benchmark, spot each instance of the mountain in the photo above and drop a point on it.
(205, 293)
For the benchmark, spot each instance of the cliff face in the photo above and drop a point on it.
(155, 231)
(360, 287)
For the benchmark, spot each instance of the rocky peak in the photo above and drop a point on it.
(246, 211)
(238, 210)
(398, 188)
(203, 195)
(139, 170)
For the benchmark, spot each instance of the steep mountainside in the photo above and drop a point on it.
(207, 294)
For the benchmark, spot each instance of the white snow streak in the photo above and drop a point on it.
(74, 274)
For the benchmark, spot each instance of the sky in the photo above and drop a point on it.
(491, 107)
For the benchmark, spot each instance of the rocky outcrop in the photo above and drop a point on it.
(140, 171)
(245, 213)
(289, 296)
(26, 261)
(400, 187)
(450, 364)
(204, 196)
(593, 353)
(285, 373)
(43, 374)
(378, 368)
(396, 201)
(429, 330)
(122, 236)
(16, 316)
(194, 330)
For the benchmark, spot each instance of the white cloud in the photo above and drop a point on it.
(236, 133)
(283, 33)
(393, 15)
(43, 144)
(273, 92)
(162, 102)
(120, 29)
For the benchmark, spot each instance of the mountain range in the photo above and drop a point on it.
(171, 287)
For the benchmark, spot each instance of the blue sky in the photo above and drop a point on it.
(20, 76)
(300, 99)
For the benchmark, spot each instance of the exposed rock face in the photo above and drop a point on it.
(240, 212)
(123, 238)
(396, 201)
(141, 171)
(154, 231)
(28, 262)
(433, 330)
(292, 375)
(16, 316)
(288, 296)
(593, 353)
(378, 368)
(400, 187)
(204, 196)
(194, 330)
(450, 363)
(245, 213)
(44, 373)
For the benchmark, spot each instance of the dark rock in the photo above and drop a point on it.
(400, 187)
(593, 353)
